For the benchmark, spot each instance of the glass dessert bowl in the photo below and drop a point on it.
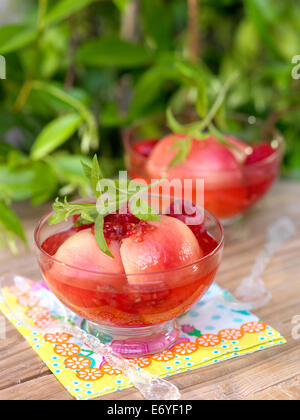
(159, 270)
(236, 173)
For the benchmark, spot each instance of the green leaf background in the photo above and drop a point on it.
(113, 52)
(80, 71)
(55, 134)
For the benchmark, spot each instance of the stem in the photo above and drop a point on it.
(129, 23)
(71, 73)
(130, 31)
(27, 85)
(22, 96)
(270, 124)
(42, 11)
(63, 96)
(196, 128)
(193, 30)
(219, 101)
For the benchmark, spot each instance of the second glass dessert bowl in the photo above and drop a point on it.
(236, 175)
(136, 311)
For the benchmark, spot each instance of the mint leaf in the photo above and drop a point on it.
(86, 217)
(173, 124)
(111, 195)
(96, 175)
(218, 102)
(86, 169)
(183, 147)
(201, 102)
(198, 129)
(64, 210)
(82, 221)
(99, 235)
(215, 132)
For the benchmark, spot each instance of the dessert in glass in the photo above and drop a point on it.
(129, 275)
(237, 173)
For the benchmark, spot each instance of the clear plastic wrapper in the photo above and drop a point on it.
(150, 386)
(252, 293)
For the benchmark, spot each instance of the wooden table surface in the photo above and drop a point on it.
(270, 374)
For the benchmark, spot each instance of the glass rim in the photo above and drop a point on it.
(216, 222)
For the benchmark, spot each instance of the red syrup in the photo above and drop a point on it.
(111, 300)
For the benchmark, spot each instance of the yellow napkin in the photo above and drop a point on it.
(211, 332)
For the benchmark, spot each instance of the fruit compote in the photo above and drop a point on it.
(236, 175)
(127, 269)
(159, 269)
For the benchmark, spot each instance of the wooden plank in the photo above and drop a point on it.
(269, 374)
(288, 390)
(18, 362)
(44, 387)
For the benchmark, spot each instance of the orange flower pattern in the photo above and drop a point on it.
(107, 368)
(89, 374)
(57, 338)
(231, 334)
(254, 327)
(185, 348)
(208, 340)
(45, 322)
(77, 362)
(67, 349)
(164, 356)
(38, 312)
(141, 362)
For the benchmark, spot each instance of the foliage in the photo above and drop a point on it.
(117, 195)
(75, 78)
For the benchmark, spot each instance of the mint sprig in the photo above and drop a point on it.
(109, 200)
(199, 129)
(99, 235)
(183, 149)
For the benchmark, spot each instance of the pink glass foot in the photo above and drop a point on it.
(141, 341)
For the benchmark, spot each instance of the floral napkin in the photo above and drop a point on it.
(211, 332)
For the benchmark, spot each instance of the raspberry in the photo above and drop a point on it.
(145, 147)
(122, 216)
(260, 152)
